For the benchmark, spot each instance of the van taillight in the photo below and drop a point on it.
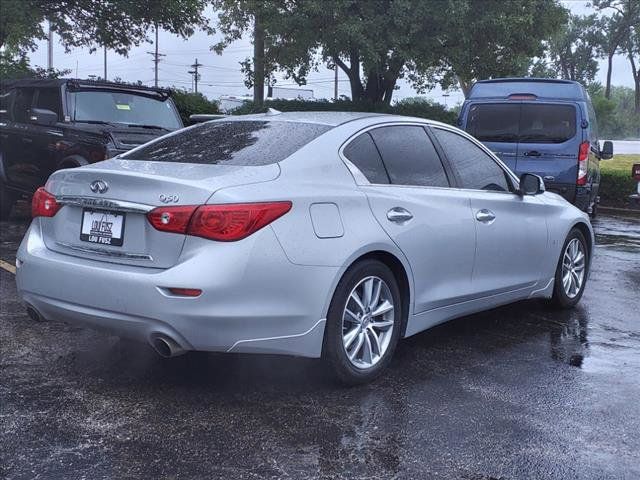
(44, 204)
(583, 163)
(224, 223)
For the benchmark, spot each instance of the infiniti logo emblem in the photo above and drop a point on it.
(99, 186)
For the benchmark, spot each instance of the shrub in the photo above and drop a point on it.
(616, 183)
(189, 103)
(414, 108)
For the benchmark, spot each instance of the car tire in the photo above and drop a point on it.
(357, 350)
(7, 200)
(567, 291)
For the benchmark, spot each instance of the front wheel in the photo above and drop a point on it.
(363, 323)
(572, 271)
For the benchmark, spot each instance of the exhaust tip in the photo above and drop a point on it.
(166, 347)
(33, 314)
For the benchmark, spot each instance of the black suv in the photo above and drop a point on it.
(46, 125)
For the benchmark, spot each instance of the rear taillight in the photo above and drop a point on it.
(171, 219)
(224, 223)
(44, 204)
(583, 163)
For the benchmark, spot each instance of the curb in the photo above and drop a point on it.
(620, 211)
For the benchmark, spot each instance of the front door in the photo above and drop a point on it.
(511, 230)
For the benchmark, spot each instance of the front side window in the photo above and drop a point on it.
(409, 156)
(124, 107)
(245, 143)
(475, 168)
(363, 153)
(49, 99)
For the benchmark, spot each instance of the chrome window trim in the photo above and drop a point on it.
(104, 203)
(106, 253)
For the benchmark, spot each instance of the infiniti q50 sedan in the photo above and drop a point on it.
(327, 235)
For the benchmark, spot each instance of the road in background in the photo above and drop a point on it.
(626, 147)
(518, 392)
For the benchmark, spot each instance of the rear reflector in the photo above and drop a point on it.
(44, 204)
(224, 223)
(583, 163)
(185, 292)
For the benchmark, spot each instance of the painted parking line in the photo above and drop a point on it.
(8, 267)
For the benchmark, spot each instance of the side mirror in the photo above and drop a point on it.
(607, 150)
(42, 116)
(531, 184)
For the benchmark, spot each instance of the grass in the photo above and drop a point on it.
(619, 164)
(616, 183)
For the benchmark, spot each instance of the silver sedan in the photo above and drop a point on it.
(327, 235)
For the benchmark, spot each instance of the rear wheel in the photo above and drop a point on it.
(7, 200)
(572, 271)
(363, 323)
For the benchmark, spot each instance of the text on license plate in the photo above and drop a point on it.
(105, 228)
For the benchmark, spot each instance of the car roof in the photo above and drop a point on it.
(543, 88)
(323, 118)
(75, 83)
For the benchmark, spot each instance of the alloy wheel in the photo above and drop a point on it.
(573, 268)
(368, 322)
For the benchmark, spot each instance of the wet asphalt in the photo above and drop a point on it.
(518, 392)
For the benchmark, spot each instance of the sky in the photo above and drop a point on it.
(220, 74)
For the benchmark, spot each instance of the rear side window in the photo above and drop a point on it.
(494, 122)
(22, 104)
(363, 153)
(409, 156)
(547, 123)
(476, 169)
(245, 143)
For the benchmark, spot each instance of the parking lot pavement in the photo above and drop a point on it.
(518, 392)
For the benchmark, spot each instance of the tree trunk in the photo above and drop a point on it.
(353, 73)
(465, 86)
(607, 90)
(258, 61)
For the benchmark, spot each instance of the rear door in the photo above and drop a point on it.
(550, 137)
(511, 230)
(19, 142)
(410, 197)
(496, 125)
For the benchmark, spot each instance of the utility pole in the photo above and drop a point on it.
(156, 59)
(105, 63)
(258, 60)
(50, 49)
(196, 75)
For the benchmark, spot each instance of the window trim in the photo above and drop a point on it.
(362, 180)
(515, 182)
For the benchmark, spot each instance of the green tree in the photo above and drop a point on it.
(487, 38)
(189, 103)
(378, 42)
(572, 52)
(116, 24)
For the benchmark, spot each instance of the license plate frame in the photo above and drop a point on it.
(101, 233)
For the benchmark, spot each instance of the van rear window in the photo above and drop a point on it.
(522, 122)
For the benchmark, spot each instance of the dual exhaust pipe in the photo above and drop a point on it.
(164, 345)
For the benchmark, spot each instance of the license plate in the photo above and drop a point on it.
(104, 228)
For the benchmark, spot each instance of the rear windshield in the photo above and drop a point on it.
(244, 143)
(522, 122)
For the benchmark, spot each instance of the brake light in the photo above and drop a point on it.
(583, 163)
(228, 223)
(522, 96)
(44, 204)
(185, 292)
(224, 223)
(171, 219)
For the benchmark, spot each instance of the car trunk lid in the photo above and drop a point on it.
(105, 206)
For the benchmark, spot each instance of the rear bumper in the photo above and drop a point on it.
(253, 300)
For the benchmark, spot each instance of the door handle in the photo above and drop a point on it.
(485, 216)
(399, 215)
(27, 140)
(532, 153)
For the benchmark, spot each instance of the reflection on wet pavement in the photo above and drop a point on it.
(522, 391)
